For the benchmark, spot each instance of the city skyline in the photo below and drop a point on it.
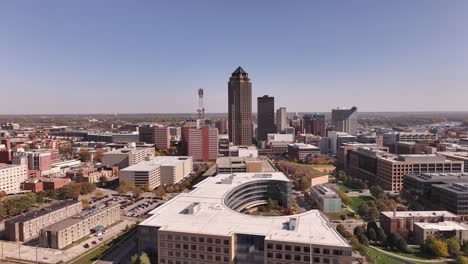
(119, 58)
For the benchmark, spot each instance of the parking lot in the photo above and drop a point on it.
(141, 206)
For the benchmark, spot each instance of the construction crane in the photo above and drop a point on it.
(201, 109)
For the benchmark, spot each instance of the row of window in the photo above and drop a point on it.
(316, 250)
(208, 240)
(193, 256)
(194, 247)
(299, 258)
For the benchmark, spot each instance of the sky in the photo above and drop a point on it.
(113, 56)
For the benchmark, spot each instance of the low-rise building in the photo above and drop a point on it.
(440, 230)
(459, 156)
(126, 157)
(65, 232)
(403, 222)
(452, 197)
(11, 177)
(421, 184)
(27, 226)
(243, 164)
(155, 171)
(327, 198)
(302, 151)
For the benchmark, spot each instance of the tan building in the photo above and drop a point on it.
(11, 177)
(387, 170)
(207, 226)
(165, 170)
(126, 157)
(65, 232)
(459, 156)
(318, 180)
(243, 164)
(440, 230)
(26, 227)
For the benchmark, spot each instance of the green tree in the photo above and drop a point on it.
(371, 234)
(381, 236)
(103, 180)
(343, 217)
(453, 246)
(271, 204)
(377, 192)
(401, 245)
(363, 209)
(363, 239)
(359, 230)
(392, 240)
(32, 197)
(160, 191)
(135, 259)
(374, 214)
(144, 259)
(85, 155)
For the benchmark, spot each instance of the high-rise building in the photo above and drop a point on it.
(240, 108)
(203, 143)
(156, 134)
(345, 120)
(222, 126)
(318, 124)
(297, 123)
(11, 177)
(266, 117)
(281, 119)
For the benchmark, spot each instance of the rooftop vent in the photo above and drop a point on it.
(193, 208)
(293, 223)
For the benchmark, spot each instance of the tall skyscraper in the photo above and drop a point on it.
(281, 119)
(240, 108)
(318, 124)
(345, 120)
(203, 143)
(266, 116)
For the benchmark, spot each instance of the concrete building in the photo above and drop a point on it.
(65, 232)
(453, 197)
(459, 156)
(421, 184)
(203, 143)
(328, 199)
(207, 226)
(223, 145)
(440, 230)
(156, 134)
(343, 155)
(280, 138)
(345, 120)
(11, 177)
(391, 139)
(243, 164)
(165, 170)
(387, 170)
(265, 117)
(281, 120)
(302, 151)
(337, 139)
(403, 222)
(128, 137)
(240, 108)
(125, 157)
(27, 226)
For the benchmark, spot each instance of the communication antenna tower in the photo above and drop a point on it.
(201, 109)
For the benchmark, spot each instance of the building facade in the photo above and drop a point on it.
(281, 119)
(265, 116)
(402, 222)
(156, 134)
(203, 144)
(125, 157)
(11, 177)
(345, 120)
(240, 108)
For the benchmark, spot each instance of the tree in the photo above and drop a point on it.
(357, 216)
(160, 192)
(103, 180)
(85, 155)
(271, 204)
(344, 197)
(135, 259)
(381, 236)
(99, 193)
(371, 234)
(363, 239)
(374, 214)
(401, 245)
(363, 209)
(453, 246)
(461, 260)
(359, 230)
(438, 247)
(85, 203)
(144, 259)
(3, 194)
(377, 192)
(343, 217)
(32, 197)
(305, 184)
(146, 187)
(392, 240)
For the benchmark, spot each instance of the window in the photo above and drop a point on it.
(226, 259)
(270, 246)
(226, 250)
(269, 255)
(209, 240)
(336, 252)
(226, 242)
(279, 255)
(279, 247)
(287, 247)
(306, 259)
(326, 251)
(297, 257)
(209, 249)
(201, 239)
(218, 258)
(326, 260)
(316, 250)
(193, 247)
(316, 260)
(218, 250)
(297, 248)
(307, 249)
(287, 256)
(218, 241)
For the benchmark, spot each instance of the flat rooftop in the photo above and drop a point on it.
(7, 166)
(304, 146)
(399, 214)
(34, 214)
(65, 223)
(240, 162)
(443, 226)
(213, 217)
(462, 155)
(146, 165)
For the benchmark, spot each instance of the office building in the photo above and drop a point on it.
(336, 139)
(328, 199)
(387, 170)
(303, 152)
(128, 137)
(156, 134)
(345, 120)
(74, 228)
(222, 125)
(452, 197)
(314, 124)
(421, 184)
(391, 139)
(280, 138)
(11, 177)
(125, 157)
(440, 230)
(203, 143)
(460, 156)
(155, 171)
(243, 164)
(402, 222)
(265, 116)
(281, 119)
(240, 108)
(297, 123)
(27, 226)
(207, 226)
(342, 160)
(223, 145)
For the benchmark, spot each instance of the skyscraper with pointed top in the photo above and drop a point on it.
(240, 108)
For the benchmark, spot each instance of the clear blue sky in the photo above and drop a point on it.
(111, 56)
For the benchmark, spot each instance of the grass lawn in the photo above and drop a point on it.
(416, 255)
(345, 188)
(380, 258)
(308, 170)
(358, 200)
(336, 215)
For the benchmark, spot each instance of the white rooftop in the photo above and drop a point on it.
(215, 218)
(157, 161)
(419, 214)
(443, 226)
